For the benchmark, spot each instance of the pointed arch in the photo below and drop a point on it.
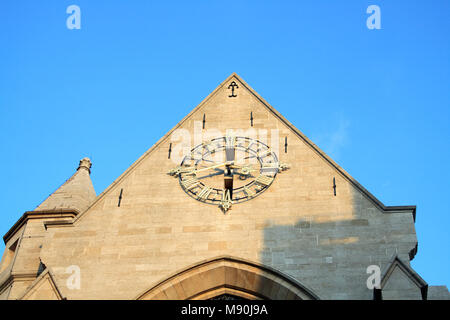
(228, 275)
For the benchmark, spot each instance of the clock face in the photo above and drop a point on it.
(228, 170)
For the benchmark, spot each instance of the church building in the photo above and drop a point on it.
(233, 203)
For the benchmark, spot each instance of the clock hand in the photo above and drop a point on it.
(274, 166)
(218, 173)
(230, 153)
(246, 170)
(191, 170)
(213, 167)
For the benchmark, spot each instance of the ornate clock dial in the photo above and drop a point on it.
(228, 170)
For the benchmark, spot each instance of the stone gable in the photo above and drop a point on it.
(314, 224)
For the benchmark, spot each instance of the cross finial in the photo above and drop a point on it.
(232, 86)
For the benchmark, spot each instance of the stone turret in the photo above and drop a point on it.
(76, 193)
(24, 241)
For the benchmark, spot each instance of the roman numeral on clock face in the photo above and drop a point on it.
(192, 157)
(249, 192)
(264, 153)
(206, 146)
(230, 141)
(264, 180)
(190, 183)
(251, 143)
(226, 196)
(204, 193)
(270, 165)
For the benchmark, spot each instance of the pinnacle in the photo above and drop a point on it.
(76, 193)
(85, 163)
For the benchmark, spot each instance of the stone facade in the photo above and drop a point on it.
(311, 235)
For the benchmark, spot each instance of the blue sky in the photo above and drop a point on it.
(377, 101)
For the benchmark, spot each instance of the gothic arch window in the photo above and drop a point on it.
(226, 277)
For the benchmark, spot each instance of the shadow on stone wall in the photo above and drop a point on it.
(329, 252)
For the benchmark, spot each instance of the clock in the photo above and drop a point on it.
(228, 170)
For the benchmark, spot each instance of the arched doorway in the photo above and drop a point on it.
(228, 276)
